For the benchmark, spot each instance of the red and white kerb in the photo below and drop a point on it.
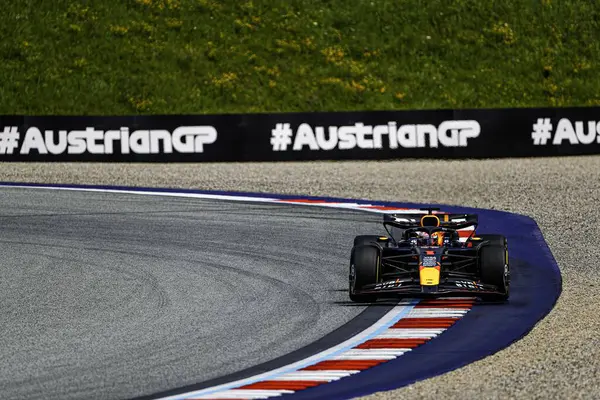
(418, 323)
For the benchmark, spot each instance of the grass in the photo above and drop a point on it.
(210, 56)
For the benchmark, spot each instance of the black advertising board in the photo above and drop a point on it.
(376, 135)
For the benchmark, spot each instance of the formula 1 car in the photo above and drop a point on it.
(428, 255)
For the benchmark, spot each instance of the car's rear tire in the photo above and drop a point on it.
(493, 261)
(365, 265)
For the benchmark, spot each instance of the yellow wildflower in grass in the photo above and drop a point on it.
(211, 51)
(159, 4)
(550, 88)
(559, 101)
(119, 30)
(226, 79)
(332, 81)
(504, 32)
(333, 55)
(272, 72)
(372, 83)
(195, 93)
(75, 28)
(172, 4)
(399, 96)
(287, 45)
(80, 62)
(190, 49)
(77, 12)
(209, 5)
(309, 43)
(174, 23)
(26, 50)
(139, 104)
(247, 6)
(581, 66)
(366, 84)
(371, 53)
(356, 68)
(272, 84)
(144, 27)
(357, 87)
(243, 24)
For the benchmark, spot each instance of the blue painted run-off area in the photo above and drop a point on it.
(486, 329)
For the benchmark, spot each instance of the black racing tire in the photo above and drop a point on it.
(494, 240)
(366, 239)
(365, 263)
(493, 261)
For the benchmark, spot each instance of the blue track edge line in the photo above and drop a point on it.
(485, 330)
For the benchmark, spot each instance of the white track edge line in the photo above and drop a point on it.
(241, 197)
(397, 313)
(381, 325)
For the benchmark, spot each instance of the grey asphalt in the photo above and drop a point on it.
(558, 359)
(106, 296)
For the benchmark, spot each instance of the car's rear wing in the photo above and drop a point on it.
(445, 220)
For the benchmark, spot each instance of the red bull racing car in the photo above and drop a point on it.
(432, 254)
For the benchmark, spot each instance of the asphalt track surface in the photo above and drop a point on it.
(116, 295)
(557, 359)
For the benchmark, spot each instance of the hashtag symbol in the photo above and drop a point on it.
(542, 131)
(281, 137)
(9, 139)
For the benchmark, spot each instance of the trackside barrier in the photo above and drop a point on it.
(376, 135)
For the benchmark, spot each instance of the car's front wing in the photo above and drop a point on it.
(459, 287)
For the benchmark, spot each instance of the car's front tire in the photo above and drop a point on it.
(365, 265)
(494, 240)
(366, 239)
(494, 267)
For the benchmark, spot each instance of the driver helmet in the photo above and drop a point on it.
(438, 238)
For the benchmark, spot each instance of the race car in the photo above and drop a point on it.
(429, 254)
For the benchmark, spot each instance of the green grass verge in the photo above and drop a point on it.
(210, 56)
